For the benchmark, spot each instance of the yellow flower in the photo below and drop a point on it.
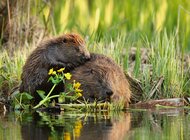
(77, 128)
(78, 90)
(54, 73)
(76, 85)
(50, 71)
(77, 132)
(67, 136)
(79, 94)
(78, 124)
(61, 69)
(67, 76)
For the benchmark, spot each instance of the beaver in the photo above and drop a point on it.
(66, 51)
(102, 80)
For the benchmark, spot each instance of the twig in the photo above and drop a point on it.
(9, 14)
(84, 105)
(152, 91)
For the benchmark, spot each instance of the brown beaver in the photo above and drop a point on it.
(67, 51)
(102, 79)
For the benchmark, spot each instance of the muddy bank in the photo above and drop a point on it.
(162, 103)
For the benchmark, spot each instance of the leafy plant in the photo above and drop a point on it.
(56, 78)
(21, 100)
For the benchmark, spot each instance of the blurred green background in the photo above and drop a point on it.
(108, 17)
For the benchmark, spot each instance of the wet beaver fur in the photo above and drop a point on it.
(102, 80)
(67, 51)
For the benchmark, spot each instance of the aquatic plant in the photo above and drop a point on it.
(56, 77)
(22, 100)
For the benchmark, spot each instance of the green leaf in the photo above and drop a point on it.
(50, 79)
(17, 106)
(26, 107)
(69, 87)
(15, 94)
(46, 104)
(61, 98)
(26, 96)
(53, 103)
(60, 77)
(41, 93)
(56, 79)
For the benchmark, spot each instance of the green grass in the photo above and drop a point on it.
(165, 60)
(142, 17)
(11, 69)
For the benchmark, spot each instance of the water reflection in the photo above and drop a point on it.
(76, 126)
(133, 124)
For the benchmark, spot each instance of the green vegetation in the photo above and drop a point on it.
(72, 92)
(110, 27)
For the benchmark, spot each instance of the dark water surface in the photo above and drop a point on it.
(166, 124)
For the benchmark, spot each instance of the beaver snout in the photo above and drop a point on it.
(87, 56)
(109, 93)
(106, 95)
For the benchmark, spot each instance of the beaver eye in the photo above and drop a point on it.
(89, 71)
(64, 40)
(77, 49)
(92, 71)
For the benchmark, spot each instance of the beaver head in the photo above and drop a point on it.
(68, 50)
(102, 79)
(94, 82)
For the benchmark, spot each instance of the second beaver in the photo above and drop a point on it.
(67, 51)
(102, 80)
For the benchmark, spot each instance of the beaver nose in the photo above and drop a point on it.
(87, 56)
(109, 93)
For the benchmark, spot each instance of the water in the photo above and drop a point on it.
(166, 124)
